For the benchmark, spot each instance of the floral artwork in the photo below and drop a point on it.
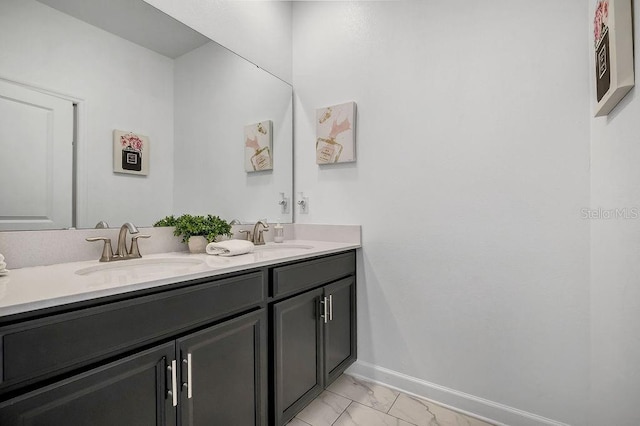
(130, 153)
(613, 49)
(131, 141)
(335, 134)
(258, 142)
(601, 21)
(601, 41)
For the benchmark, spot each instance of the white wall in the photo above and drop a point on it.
(473, 166)
(216, 94)
(122, 85)
(257, 30)
(615, 267)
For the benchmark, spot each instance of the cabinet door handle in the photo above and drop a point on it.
(189, 381)
(331, 307)
(324, 308)
(174, 391)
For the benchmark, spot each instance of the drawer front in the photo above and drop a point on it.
(41, 348)
(300, 276)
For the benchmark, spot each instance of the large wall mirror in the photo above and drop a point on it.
(74, 71)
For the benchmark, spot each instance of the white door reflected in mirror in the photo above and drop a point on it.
(36, 138)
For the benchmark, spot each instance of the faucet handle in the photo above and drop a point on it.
(135, 251)
(260, 238)
(107, 251)
(246, 231)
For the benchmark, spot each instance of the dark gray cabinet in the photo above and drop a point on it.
(239, 350)
(131, 391)
(224, 374)
(314, 337)
(209, 367)
(297, 334)
(40, 348)
(216, 376)
(340, 328)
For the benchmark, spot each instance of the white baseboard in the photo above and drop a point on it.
(483, 409)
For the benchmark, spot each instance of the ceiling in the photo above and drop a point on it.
(142, 24)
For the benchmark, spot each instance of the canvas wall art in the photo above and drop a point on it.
(130, 153)
(613, 53)
(258, 146)
(335, 134)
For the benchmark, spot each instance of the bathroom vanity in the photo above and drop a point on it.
(225, 341)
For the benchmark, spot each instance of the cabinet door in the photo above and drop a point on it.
(298, 354)
(224, 374)
(132, 391)
(340, 328)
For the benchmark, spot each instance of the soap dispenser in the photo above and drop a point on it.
(278, 233)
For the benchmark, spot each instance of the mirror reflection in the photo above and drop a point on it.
(67, 78)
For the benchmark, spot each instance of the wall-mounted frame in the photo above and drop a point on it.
(336, 134)
(258, 146)
(130, 153)
(613, 53)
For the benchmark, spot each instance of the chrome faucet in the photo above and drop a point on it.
(121, 252)
(258, 238)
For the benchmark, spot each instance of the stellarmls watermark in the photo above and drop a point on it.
(608, 214)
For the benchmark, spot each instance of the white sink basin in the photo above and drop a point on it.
(143, 267)
(280, 246)
(277, 250)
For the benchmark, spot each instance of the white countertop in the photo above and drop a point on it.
(38, 287)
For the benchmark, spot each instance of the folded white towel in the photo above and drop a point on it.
(230, 247)
(1, 258)
(3, 265)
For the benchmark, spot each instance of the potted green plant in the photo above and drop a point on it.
(197, 231)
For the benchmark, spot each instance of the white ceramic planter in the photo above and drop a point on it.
(197, 244)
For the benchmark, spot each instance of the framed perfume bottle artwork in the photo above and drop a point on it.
(130, 153)
(335, 134)
(613, 53)
(258, 146)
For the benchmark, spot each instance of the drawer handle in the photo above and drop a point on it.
(189, 377)
(173, 392)
(324, 309)
(331, 307)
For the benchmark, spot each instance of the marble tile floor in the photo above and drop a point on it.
(352, 402)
